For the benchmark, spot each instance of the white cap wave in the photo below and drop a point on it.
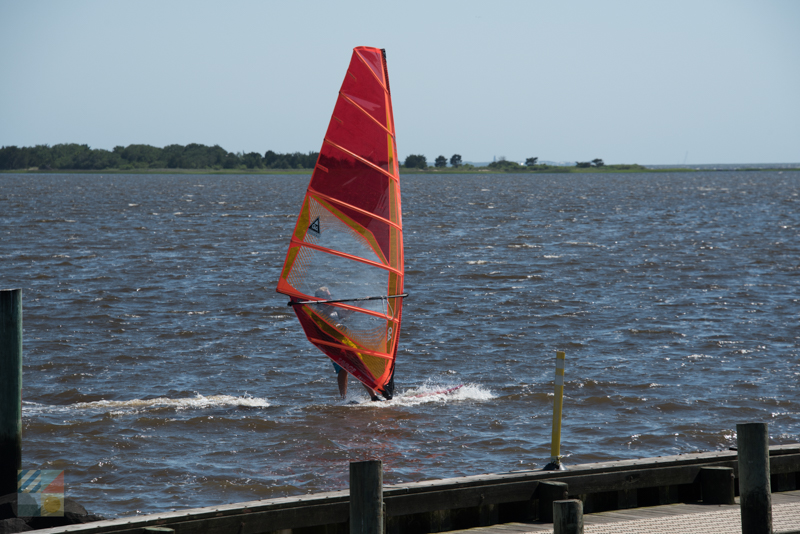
(137, 405)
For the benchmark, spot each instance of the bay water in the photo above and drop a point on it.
(162, 371)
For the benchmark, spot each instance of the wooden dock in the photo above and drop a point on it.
(667, 519)
(622, 492)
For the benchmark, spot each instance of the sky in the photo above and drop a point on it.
(657, 82)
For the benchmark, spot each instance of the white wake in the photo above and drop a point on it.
(114, 407)
(429, 392)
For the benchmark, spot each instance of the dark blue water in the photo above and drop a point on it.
(162, 371)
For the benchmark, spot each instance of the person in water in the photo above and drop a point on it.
(336, 314)
(341, 380)
(330, 312)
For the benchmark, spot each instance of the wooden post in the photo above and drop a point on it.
(568, 517)
(755, 496)
(548, 492)
(10, 389)
(558, 403)
(716, 484)
(366, 497)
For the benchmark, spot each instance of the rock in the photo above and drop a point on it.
(74, 513)
(8, 506)
(12, 525)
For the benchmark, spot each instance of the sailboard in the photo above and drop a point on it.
(344, 267)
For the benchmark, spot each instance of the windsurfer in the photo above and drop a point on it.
(341, 379)
(337, 314)
(329, 311)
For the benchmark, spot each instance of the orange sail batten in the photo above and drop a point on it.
(348, 239)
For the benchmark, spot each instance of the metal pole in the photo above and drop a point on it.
(366, 497)
(10, 389)
(558, 403)
(755, 498)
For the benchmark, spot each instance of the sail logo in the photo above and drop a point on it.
(315, 226)
(40, 492)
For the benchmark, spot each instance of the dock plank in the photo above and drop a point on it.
(670, 519)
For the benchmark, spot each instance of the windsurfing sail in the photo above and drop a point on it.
(344, 267)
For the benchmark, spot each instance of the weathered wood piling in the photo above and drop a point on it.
(549, 492)
(568, 517)
(754, 485)
(10, 389)
(366, 497)
(717, 485)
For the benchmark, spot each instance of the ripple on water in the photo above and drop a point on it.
(162, 371)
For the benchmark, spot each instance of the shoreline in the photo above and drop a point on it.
(431, 171)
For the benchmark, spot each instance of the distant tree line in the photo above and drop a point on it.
(193, 156)
(586, 164)
(418, 161)
(201, 157)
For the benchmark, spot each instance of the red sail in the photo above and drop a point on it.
(348, 240)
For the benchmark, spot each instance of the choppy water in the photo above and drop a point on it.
(162, 371)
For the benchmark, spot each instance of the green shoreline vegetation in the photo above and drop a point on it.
(201, 159)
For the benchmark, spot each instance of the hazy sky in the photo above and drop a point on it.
(651, 82)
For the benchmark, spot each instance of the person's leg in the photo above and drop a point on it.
(341, 378)
(370, 392)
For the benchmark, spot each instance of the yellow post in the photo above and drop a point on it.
(558, 403)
